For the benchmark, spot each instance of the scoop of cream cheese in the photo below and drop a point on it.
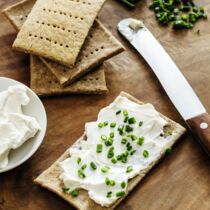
(15, 126)
(107, 181)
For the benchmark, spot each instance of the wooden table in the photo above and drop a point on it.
(181, 180)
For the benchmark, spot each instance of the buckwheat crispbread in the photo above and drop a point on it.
(44, 83)
(100, 45)
(49, 179)
(57, 29)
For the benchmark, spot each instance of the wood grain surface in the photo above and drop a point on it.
(181, 180)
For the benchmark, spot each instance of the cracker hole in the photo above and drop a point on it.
(96, 78)
(102, 47)
(96, 49)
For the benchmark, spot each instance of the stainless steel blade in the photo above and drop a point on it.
(172, 80)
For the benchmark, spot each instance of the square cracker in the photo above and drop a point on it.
(92, 53)
(49, 179)
(44, 83)
(57, 29)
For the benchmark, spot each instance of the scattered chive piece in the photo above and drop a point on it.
(123, 184)
(125, 113)
(128, 128)
(170, 133)
(129, 147)
(107, 181)
(132, 120)
(109, 142)
(100, 125)
(109, 194)
(99, 148)
(126, 119)
(105, 123)
(105, 169)
(118, 112)
(112, 125)
(93, 166)
(65, 189)
(74, 193)
(110, 152)
(84, 166)
(111, 134)
(111, 182)
(129, 169)
(132, 152)
(81, 174)
(103, 137)
(120, 129)
(79, 160)
(168, 150)
(134, 137)
(124, 141)
(145, 153)
(140, 141)
(120, 194)
(114, 160)
(140, 123)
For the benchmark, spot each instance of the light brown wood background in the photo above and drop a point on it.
(182, 179)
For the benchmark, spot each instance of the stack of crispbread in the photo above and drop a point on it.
(67, 44)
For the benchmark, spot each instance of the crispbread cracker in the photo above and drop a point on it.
(99, 46)
(50, 178)
(56, 29)
(101, 38)
(44, 83)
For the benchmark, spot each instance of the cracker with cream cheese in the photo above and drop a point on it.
(50, 180)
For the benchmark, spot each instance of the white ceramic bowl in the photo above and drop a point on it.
(35, 109)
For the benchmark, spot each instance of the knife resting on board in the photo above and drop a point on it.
(176, 86)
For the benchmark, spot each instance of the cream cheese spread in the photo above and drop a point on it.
(125, 139)
(15, 126)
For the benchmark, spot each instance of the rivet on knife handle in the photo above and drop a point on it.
(200, 126)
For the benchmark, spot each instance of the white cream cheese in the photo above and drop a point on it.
(107, 180)
(15, 127)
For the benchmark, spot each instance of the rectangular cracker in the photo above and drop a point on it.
(44, 83)
(56, 29)
(91, 54)
(49, 179)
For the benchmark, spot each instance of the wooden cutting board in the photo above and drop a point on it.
(181, 181)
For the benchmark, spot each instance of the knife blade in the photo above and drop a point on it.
(176, 86)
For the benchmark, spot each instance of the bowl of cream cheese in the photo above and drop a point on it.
(23, 123)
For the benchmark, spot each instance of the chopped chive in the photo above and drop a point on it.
(168, 150)
(103, 137)
(132, 120)
(93, 166)
(99, 148)
(128, 128)
(120, 129)
(132, 152)
(129, 147)
(134, 137)
(111, 134)
(111, 182)
(65, 189)
(129, 169)
(124, 141)
(125, 112)
(124, 159)
(120, 194)
(123, 184)
(114, 160)
(109, 142)
(74, 193)
(140, 123)
(110, 152)
(140, 141)
(105, 169)
(100, 125)
(84, 166)
(106, 123)
(107, 181)
(79, 160)
(109, 194)
(145, 153)
(118, 112)
(170, 133)
(81, 174)
(112, 125)
(126, 119)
